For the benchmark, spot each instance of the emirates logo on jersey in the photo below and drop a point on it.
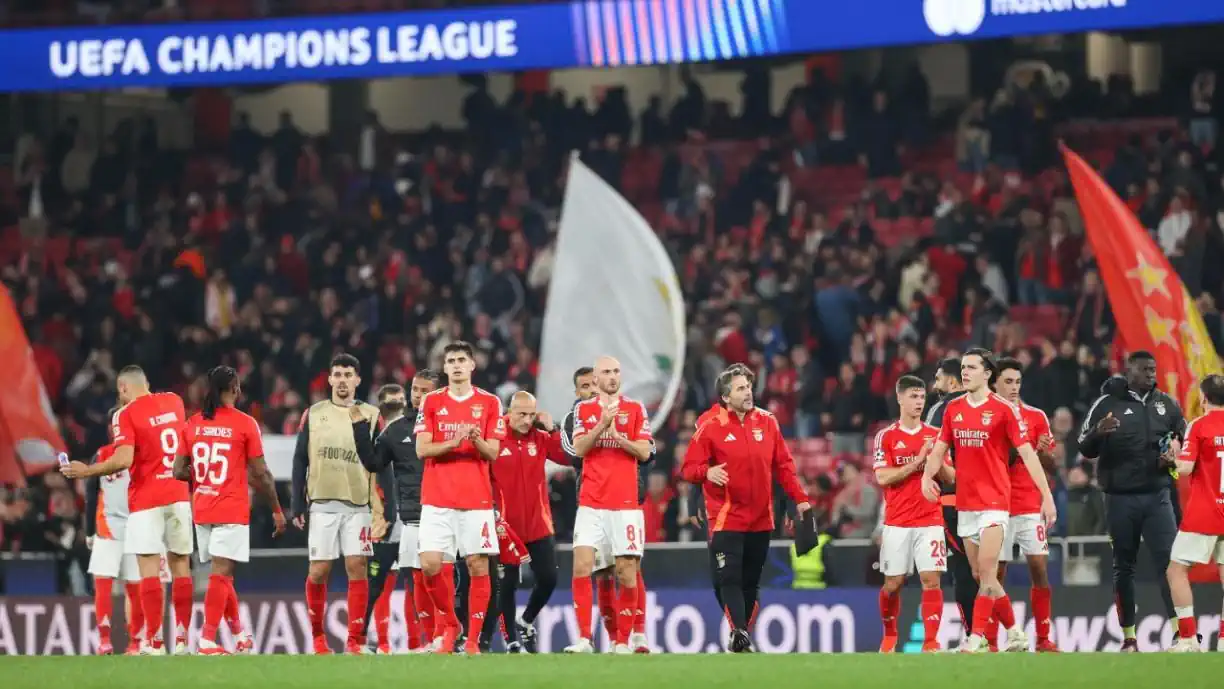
(986, 417)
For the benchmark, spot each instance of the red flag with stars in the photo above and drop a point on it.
(1152, 307)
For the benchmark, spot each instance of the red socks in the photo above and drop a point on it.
(890, 605)
(135, 622)
(382, 610)
(232, 615)
(983, 609)
(606, 598)
(153, 600)
(1187, 627)
(932, 614)
(104, 607)
(411, 623)
(479, 591)
(316, 604)
(441, 590)
(424, 604)
(582, 605)
(1042, 612)
(216, 599)
(1003, 612)
(448, 585)
(639, 613)
(358, 596)
(626, 611)
(180, 594)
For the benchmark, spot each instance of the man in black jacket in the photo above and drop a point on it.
(947, 387)
(399, 477)
(1134, 431)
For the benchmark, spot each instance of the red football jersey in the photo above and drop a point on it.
(1025, 498)
(153, 426)
(220, 449)
(609, 473)
(1204, 513)
(983, 436)
(904, 503)
(459, 479)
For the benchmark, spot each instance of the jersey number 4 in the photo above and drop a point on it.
(209, 463)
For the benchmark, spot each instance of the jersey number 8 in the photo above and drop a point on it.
(209, 463)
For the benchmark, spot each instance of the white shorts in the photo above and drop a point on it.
(107, 560)
(230, 541)
(970, 525)
(1027, 531)
(904, 550)
(619, 533)
(409, 547)
(397, 532)
(447, 530)
(335, 534)
(1197, 549)
(159, 530)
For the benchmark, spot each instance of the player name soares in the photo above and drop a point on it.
(341, 454)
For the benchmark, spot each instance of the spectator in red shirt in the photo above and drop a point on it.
(782, 391)
(658, 497)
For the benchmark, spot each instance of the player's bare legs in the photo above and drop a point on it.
(584, 566)
(890, 605)
(1178, 575)
(627, 568)
(441, 590)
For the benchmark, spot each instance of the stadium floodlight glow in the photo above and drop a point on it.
(581, 33)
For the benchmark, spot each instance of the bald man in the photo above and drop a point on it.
(149, 432)
(520, 489)
(612, 436)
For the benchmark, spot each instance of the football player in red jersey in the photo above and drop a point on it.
(459, 430)
(224, 452)
(913, 534)
(612, 435)
(984, 428)
(1026, 527)
(1200, 539)
(148, 437)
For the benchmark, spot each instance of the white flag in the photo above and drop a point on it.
(614, 291)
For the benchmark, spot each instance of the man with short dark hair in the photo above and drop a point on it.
(1134, 431)
(742, 446)
(332, 490)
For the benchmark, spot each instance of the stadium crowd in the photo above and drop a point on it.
(937, 235)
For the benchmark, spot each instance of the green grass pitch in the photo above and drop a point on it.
(854, 671)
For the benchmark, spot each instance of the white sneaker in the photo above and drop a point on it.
(583, 646)
(622, 650)
(148, 649)
(1017, 642)
(974, 644)
(180, 648)
(1186, 646)
(638, 643)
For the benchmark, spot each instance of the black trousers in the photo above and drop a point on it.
(964, 586)
(544, 570)
(1130, 518)
(739, 559)
(380, 566)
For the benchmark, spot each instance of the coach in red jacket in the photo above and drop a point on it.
(521, 488)
(735, 456)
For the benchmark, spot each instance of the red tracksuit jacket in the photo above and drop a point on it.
(755, 454)
(520, 486)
